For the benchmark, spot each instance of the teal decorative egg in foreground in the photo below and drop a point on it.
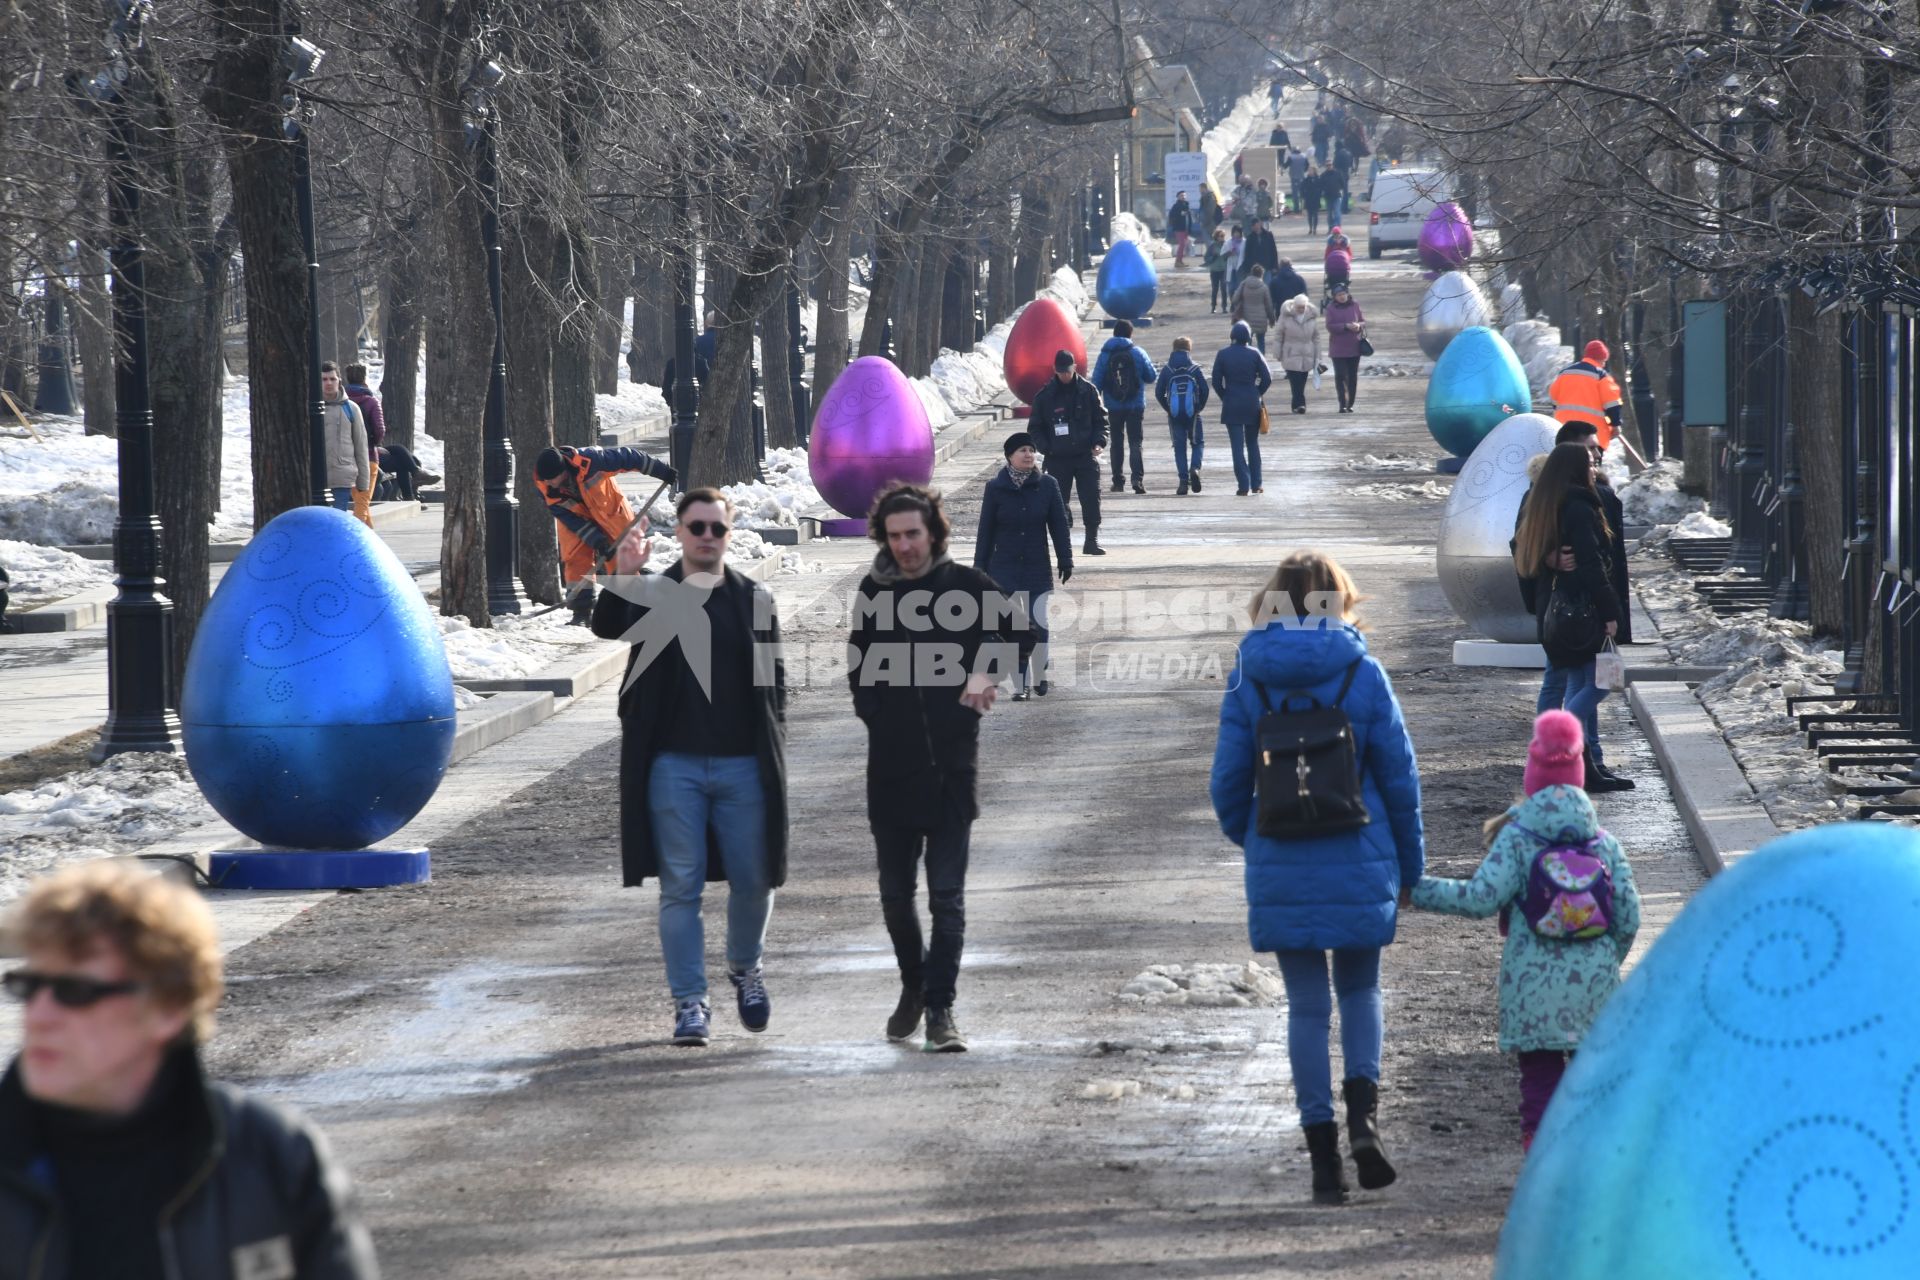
(317, 709)
(1748, 1105)
(1476, 385)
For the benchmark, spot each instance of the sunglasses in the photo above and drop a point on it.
(698, 528)
(70, 991)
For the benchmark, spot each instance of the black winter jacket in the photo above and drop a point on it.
(652, 693)
(1616, 559)
(907, 669)
(1593, 561)
(265, 1200)
(1077, 406)
(1015, 523)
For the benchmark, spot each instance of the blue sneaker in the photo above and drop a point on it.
(691, 1022)
(750, 993)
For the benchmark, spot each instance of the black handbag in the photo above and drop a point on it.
(1308, 769)
(1571, 623)
(1366, 348)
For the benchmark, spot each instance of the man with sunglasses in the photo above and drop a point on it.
(703, 772)
(117, 1156)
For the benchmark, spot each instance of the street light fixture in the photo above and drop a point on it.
(502, 509)
(140, 691)
(300, 60)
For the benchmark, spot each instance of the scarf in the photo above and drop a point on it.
(1019, 477)
(886, 571)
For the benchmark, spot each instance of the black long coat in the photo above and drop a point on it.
(923, 743)
(1015, 522)
(654, 693)
(1593, 569)
(1616, 559)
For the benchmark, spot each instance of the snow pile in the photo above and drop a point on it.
(772, 503)
(1425, 491)
(1236, 986)
(1394, 369)
(1392, 462)
(1654, 497)
(132, 800)
(961, 381)
(1110, 1090)
(633, 405)
(1542, 354)
(41, 574)
(1128, 227)
(1513, 304)
(1225, 141)
(1698, 524)
(513, 647)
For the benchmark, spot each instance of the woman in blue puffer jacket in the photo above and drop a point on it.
(1337, 892)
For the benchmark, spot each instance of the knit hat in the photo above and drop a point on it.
(1557, 753)
(548, 464)
(1241, 331)
(1017, 441)
(1596, 351)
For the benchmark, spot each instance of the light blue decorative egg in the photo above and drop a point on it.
(317, 709)
(1127, 283)
(1748, 1105)
(1476, 385)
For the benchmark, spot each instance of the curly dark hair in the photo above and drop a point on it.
(901, 496)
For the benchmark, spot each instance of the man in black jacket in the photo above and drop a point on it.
(117, 1157)
(1284, 284)
(924, 660)
(703, 715)
(1070, 428)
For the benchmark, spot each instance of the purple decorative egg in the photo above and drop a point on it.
(1446, 238)
(870, 431)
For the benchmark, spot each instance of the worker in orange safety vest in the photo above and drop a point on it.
(1586, 392)
(584, 500)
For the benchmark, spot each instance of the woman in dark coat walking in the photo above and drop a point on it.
(1563, 510)
(1019, 511)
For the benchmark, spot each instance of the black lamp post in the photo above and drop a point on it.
(140, 692)
(686, 392)
(53, 390)
(301, 58)
(797, 364)
(502, 508)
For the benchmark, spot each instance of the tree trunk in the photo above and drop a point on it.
(243, 96)
(956, 299)
(652, 321)
(92, 314)
(776, 368)
(531, 325)
(460, 337)
(575, 419)
(1030, 270)
(1813, 410)
(403, 323)
(614, 278)
(1000, 299)
(836, 254)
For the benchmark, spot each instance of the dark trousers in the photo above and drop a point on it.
(1297, 383)
(930, 968)
(1217, 293)
(1540, 1072)
(398, 461)
(1313, 217)
(1346, 378)
(1083, 469)
(1123, 429)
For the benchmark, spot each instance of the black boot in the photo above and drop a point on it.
(1363, 1134)
(1023, 683)
(1599, 780)
(1329, 1179)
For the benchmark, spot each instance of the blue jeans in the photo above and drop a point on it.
(1246, 454)
(1553, 690)
(1583, 700)
(342, 498)
(687, 795)
(1184, 429)
(1356, 980)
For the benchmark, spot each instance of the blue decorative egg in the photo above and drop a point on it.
(1748, 1104)
(1476, 385)
(1127, 283)
(317, 709)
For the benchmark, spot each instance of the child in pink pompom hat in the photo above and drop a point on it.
(1550, 862)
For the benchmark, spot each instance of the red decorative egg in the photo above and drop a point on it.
(1042, 329)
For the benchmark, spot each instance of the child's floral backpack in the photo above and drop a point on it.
(1569, 893)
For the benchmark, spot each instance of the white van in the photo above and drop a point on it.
(1402, 198)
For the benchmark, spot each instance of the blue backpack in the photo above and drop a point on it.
(1180, 394)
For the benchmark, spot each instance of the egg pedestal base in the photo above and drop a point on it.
(1449, 466)
(1144, 322)
(849, 528)
(318, 869)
